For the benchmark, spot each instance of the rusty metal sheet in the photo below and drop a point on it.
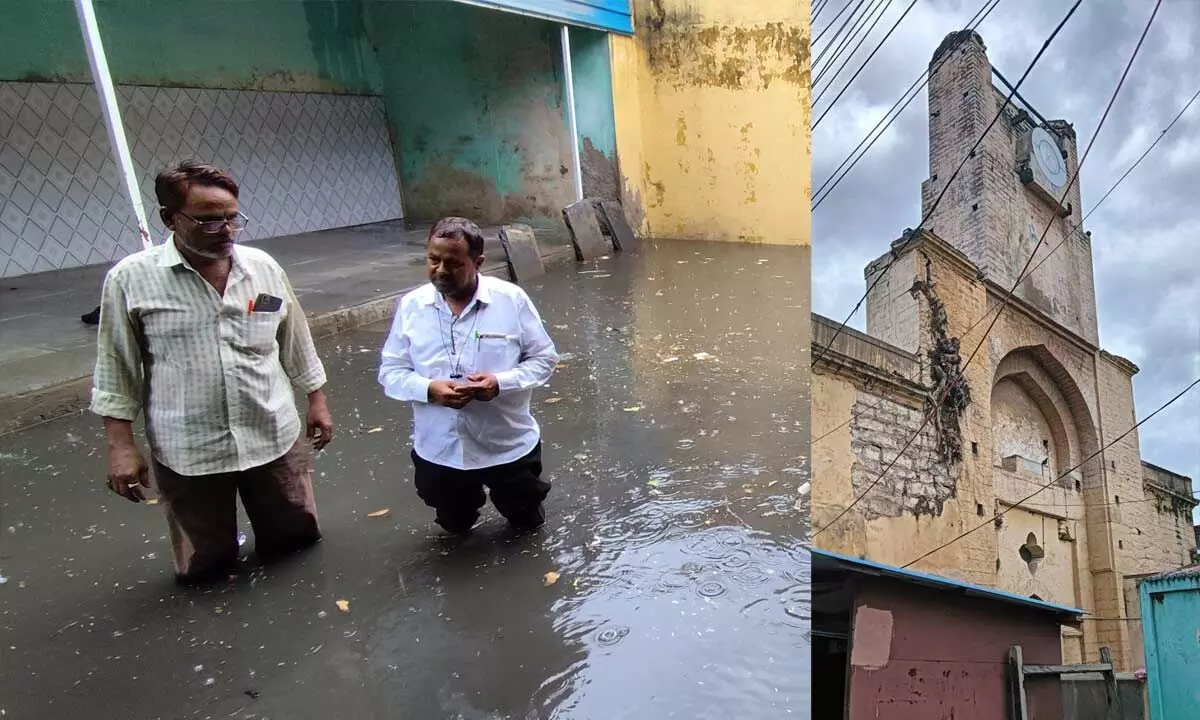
(622, 234)
(586, 236)
(521, 249)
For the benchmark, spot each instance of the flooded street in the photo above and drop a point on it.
(671, 579)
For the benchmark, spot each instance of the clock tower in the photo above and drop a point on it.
(1008, 193)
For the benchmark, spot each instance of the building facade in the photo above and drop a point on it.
(899, 644)
(334, 113)
(1039, 403)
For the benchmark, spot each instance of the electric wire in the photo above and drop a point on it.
(883, 5)
(959, 376)
(969, 155)
(879, 46)
(913, 91)
(1094, 208)
(1037, 492)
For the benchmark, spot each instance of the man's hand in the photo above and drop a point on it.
(483, 387)
(127, 471)
(319, 425)
(449, 394)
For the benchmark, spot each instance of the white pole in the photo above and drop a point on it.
(112, 114)
(572, 124)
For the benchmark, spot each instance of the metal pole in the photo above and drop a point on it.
(112, 114)
(572, 123)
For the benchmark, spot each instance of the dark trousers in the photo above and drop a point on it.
(516, 488)
(202, 513)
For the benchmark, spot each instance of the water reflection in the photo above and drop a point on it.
(687, 566)
(678, 448)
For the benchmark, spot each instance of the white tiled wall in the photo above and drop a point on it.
(305, 161)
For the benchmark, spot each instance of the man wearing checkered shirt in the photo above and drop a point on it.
(207, 338)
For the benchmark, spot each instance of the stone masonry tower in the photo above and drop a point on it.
(1005, 195)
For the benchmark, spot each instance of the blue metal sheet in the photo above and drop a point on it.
(1171, 633)
(610, 15)
(869, 567)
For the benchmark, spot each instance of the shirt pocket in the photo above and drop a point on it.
(259, 331)
(176, 336)
(496, 352)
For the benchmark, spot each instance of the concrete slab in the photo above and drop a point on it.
(521, 249)
(345, 278)
(584, 228)
(623, 238)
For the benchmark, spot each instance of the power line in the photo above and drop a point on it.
(836, 33)
(911, 94)
(816, 11)
(849, 56)
(847, 39)
(1087, 506)
(959, 376)
(866, 62)
(880, 275)
(1062, 242)
(1074, 178)
(1117, 183)
(1035, 493)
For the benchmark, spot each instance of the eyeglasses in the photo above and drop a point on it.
(236, 223)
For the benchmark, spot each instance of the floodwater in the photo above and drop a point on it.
(671, 580)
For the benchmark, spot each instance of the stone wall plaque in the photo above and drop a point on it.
(623, 237)
(589, 242)
(521, 249)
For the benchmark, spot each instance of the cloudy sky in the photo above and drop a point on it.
(1145, 235)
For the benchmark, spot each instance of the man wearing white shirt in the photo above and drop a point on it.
(467, 351)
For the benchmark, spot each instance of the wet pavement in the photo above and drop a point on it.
(671, 580)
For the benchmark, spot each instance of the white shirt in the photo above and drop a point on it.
(500, 333)
(214, 379)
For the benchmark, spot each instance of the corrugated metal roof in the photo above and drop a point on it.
(869, 567)
(1187, 571)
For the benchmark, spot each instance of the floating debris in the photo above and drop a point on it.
(343, 605)
(374, 430)
(702, 356)
(380, 513)
(635, 408)
(550, 578)
(152, 501)
(805, 489)
(552, 400)
(560, 366)
(241, 539)
(671, 359)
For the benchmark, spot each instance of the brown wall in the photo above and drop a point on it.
(947, 657)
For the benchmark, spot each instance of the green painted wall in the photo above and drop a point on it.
(476, 102)
(592, 72)
(285, 45)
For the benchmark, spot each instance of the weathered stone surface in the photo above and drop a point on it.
(581, 221)
(918, 482)
(521, 249)
(622, 234)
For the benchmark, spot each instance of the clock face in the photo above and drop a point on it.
(1049, 157)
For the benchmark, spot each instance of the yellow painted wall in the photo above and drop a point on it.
(713, 108)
